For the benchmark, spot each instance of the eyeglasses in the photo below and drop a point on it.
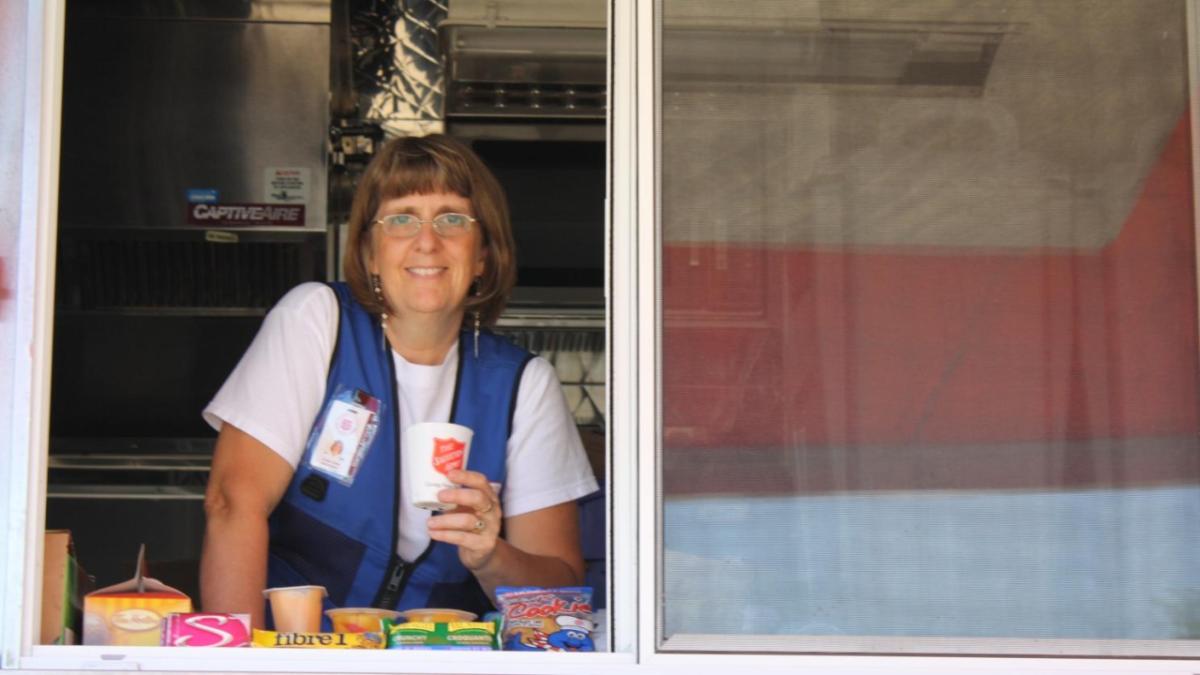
(405, 225)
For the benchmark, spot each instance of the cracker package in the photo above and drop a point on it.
(453, 635)
(546, 619)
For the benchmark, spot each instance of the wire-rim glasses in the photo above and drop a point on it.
(406, 225)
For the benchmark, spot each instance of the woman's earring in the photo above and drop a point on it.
(477, 294)
(378, 288)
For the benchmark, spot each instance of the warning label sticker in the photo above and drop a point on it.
(286, 185)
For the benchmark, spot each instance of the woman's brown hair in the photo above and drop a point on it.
(424, 165)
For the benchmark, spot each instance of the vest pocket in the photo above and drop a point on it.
(305, 550)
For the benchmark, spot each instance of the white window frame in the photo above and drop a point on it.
(633, 395)
(708, 653)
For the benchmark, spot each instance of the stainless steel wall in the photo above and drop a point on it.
(156, 105)
(166, 106)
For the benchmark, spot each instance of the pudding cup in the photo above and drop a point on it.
(437, 615)
(296, 609)
(360, 619)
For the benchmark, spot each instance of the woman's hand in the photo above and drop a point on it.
(540, 548)
(474, 526)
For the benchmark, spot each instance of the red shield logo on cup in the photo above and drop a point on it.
(447, 454)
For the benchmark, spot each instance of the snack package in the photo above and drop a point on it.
(64, 583)
(131, 613)
(497, 620)
(270, 638)
(456, 635)
(546, 619)
(206, 630)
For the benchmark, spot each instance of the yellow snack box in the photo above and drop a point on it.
(131, 613)
(270, 638)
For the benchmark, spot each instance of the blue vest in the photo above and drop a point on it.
(344, 537)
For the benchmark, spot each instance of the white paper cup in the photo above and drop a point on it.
(432, 449)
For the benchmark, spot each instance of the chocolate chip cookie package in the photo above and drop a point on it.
(546, 619)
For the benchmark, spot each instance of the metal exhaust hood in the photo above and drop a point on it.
(523, 58)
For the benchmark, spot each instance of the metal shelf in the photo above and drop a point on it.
(129, 468)
(106, 462)
(552, 318)
(219, 312)
(126, 492)
(139, 446)
(269, 233)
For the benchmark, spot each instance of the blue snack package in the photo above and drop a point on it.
(546, 619)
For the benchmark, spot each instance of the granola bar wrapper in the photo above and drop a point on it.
(274, 639)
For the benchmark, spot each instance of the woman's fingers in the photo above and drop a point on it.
(474, 525)
(464, 521)
(470, 479)
(474, 534)
(476, 492)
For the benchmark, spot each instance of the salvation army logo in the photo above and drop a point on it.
(447, 454)
(346, 423)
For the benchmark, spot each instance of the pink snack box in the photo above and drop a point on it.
(206, 630)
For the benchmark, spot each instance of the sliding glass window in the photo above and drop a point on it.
(928, 327)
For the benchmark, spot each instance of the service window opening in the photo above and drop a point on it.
(208, 167)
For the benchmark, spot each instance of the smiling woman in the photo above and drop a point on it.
(411, 169)
(429, 265)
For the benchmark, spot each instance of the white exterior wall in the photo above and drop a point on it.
(12, 82)
(12, 79)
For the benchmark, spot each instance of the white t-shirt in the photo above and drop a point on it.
(275, 393)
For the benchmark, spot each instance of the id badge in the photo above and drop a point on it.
(344, 435)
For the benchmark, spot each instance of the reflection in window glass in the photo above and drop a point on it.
(929, 351)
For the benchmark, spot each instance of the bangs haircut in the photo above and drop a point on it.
(420, 173)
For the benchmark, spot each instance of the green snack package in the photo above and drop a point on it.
(464, 635)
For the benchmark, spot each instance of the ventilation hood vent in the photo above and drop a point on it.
(521, 58)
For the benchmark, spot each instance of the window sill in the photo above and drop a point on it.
(932, 647)
(202, 659)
